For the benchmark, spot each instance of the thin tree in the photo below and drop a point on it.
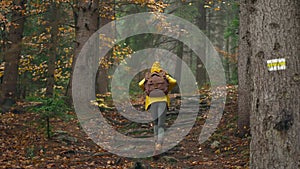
(106, 16)
(202, 24)
(244, 71)
(53, 50)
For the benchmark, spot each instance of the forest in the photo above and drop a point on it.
(71, 93)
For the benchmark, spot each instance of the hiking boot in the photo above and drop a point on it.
(156, 152)
(157, 149)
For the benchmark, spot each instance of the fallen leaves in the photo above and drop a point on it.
(23, 143)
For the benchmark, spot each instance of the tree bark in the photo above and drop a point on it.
(13, 50)
(275, 118)
(244, 71)
(87, 22)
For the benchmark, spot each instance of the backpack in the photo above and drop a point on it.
(156, 83)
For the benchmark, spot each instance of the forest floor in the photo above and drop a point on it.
(24, 144)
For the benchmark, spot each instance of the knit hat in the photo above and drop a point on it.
(156, 67)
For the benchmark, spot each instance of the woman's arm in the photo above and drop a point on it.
(172, 82)
(141, 84)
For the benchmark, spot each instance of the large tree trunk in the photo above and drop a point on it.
(87, 23)
(275, 117)
(244, 73)
(54, 24)
(13, 52)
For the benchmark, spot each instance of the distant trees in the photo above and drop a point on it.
(40, 40)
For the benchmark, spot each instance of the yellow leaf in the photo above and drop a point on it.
(217, 8)
(218, 151)
(47, 29)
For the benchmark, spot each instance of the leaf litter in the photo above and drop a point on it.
(23, 143)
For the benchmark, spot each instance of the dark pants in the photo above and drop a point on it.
(158, 111)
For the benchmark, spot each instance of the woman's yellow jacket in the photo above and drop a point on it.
(149, 100)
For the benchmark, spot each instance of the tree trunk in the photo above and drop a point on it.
(13, 52)
(200, 68)
(54, 24)
(226, 60)
(178, 65)
(244, 72)
(102, 80)
(87, 23)
(275, 117)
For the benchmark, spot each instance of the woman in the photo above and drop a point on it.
(157, 102)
